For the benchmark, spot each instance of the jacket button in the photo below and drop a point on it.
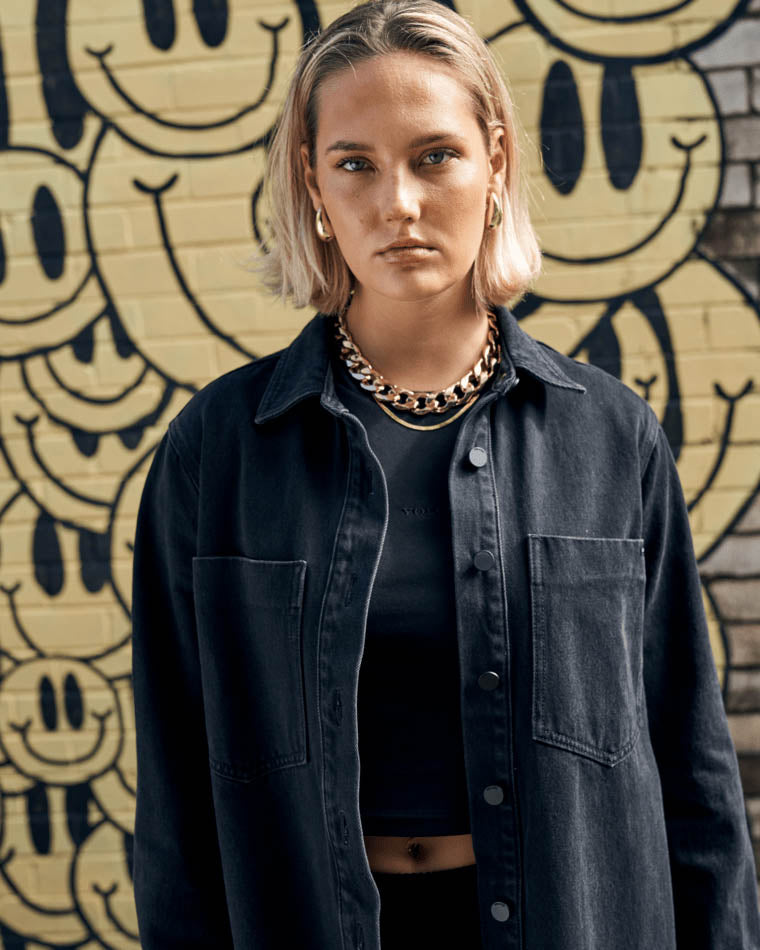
(493, 794)
(488, 680)
(484, 560)
(477, 456)
(500, 910)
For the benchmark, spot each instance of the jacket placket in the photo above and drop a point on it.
(356, 555)
(485, 675)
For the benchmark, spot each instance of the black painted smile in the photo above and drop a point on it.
(23, 728)
(106, 896)
(686, 147)
(101, 55)
(631, 18)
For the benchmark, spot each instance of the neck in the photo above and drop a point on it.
(418, 345)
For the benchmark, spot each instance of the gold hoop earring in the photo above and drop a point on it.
(323, 234)
(497, 216)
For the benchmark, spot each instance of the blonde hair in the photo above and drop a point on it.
(312, 272)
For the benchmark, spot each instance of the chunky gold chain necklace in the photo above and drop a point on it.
(464, 392)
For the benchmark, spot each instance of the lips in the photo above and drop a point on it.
(401, 247)
(407, 255)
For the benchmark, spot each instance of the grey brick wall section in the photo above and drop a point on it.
(732, 573)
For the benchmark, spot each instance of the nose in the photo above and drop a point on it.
(401, 196)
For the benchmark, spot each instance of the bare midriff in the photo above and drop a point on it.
(404, 854)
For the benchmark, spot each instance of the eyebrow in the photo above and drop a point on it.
(343, 146)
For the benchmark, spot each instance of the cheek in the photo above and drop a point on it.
(344, 188)
(462, 199)
(462, 218)
(349, 206)
(473, 193)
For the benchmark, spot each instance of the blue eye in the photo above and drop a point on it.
(344, 161)
(440, 151)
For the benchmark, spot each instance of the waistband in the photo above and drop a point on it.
(410, 878)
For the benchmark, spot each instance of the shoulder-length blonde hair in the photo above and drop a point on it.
(312, 272)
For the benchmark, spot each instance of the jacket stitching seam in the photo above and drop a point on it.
(246, 775)
(172, 437)
(654, 426)
(330, 574)
(559, 738)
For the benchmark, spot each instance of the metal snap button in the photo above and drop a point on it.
(488, 680)
(493, 794)
(484, 560)
(477, 456)
(500, 910)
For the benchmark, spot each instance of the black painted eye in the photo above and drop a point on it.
(65, 104)
(621, 125)
(160, 23)
(46, 553)
(47, 227)
(563, 142)
(213, 18)
(38, 816)
(72, 700)
(48, 709)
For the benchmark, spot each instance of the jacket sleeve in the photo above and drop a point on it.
(179, 893)
(712, 867)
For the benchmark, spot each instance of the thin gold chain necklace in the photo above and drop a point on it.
(438, 425)
(463, 392)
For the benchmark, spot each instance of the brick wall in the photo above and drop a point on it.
(732, 573)
(124, 219)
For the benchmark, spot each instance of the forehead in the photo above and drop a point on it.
(399, 88)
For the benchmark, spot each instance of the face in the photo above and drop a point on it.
(379, 182)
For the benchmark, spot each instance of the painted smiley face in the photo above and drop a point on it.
(163, 77)
(626, 161)
(60, 720)
(645, 31)
(102, 886)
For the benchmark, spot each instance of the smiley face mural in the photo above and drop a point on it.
(627, 164)
(645, 30)
(139, 150)
(628, 161)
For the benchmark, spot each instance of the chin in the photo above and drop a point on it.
(410, 283)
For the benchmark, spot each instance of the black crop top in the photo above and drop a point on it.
(412, 777)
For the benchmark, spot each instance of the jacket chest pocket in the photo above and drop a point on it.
(587, 610)
(248, 615)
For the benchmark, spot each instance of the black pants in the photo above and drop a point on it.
(426, 909)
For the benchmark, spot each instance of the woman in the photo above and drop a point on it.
(485, 590)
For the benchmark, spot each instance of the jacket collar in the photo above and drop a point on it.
(302, 367)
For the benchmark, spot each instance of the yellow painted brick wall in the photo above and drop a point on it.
(129, 165)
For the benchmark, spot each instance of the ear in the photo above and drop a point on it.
(310, 177)
(498, 160)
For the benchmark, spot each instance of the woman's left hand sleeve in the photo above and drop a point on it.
(712, 866)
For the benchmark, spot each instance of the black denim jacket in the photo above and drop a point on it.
(588, 689)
